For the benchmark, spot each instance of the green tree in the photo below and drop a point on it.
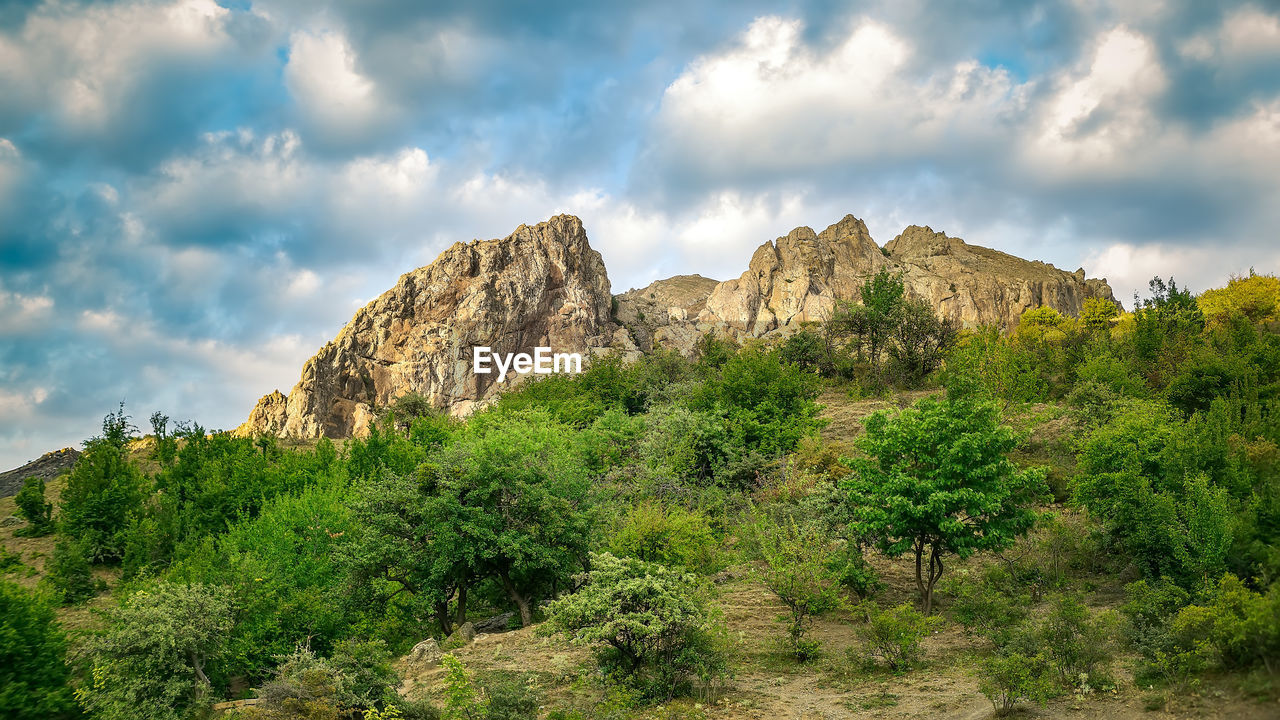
(796, 559)
(652, 625)
(32, 506)
(33, 672)
(69, 573)
(150, 661)
(937, 480)
(104, 491)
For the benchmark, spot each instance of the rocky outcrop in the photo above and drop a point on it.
(545, 286)
(540, 286)
(979, 286)
(46, 467)
(799, 278)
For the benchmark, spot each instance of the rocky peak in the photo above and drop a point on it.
(542, 285)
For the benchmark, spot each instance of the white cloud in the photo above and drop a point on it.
(83, 63)
(771, 102)
(323, 76)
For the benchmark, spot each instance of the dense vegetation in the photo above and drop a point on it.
(603, 503)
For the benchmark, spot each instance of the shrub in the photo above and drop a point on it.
(510, 697)
(356, 679)
(463, 700)
(893, 636)
(33, 672)
(1077, 645)
(668, 535)
(69, 573)
(32, 506)
(796, 570)
(149, 663)
(651, 626)
(1006, 678)
(985, 609)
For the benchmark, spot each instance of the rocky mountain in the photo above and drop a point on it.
(539, 286)
(545, 286)
(799, 277)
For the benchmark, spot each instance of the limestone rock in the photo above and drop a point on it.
(461, 637)
(979, 286)
(663, 302)
(800, 277)
(425, 654)
(496, 624)
(540, 286)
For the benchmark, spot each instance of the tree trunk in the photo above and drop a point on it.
(197, 664)
(462, 604)
(442, 617)
(522, 602)
(919, 570)
(935, 572)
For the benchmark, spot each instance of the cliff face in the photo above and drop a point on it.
(539, 286)
(545, 286)
(799, 278)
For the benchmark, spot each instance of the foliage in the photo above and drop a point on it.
(33, 674)
(990, 365)
(936, 481)
(150, 661)
(1008, 677)
(1076, 644)
(669, 535)
(893, 636)
(651, 626)
(69, 573)
(462, 699)
(33, 508)
(796, 560)
(1256, 297)
(356, 680)
(104, 491)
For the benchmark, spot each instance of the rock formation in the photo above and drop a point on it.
(46, 467)
(539, 286)
(799, 278)
(545, 286)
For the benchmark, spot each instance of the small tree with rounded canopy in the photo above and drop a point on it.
(149, 664)
(937, 480)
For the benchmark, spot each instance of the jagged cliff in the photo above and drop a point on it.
(799, 277)
(539, 286)
(545, 286)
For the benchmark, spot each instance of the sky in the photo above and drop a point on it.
(196, 195)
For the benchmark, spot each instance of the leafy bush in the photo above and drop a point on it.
(1077, 645)
(33, 508)
(652, 627)
(356, 680)
(463, 700)
(33, 672)
(69, 573)
(149, 663)
(510, 696)
(796, 561)
(893, 635)
(1007, 678)
(669, 535)
(984, 608)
